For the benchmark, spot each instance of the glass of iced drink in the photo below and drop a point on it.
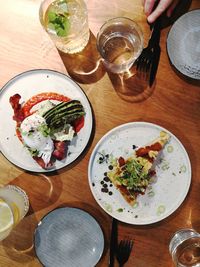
(185, 248)
(119, 42)
(66, 21)
(14, 205)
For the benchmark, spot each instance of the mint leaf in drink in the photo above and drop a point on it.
(59, 23)
(51, 16)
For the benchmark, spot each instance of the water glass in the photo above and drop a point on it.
(185, 248)
(14, 205)
(119, 42)
(66, 22)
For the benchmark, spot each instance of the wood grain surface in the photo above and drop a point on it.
(173, 102)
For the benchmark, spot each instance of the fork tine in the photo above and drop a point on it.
(124, 251)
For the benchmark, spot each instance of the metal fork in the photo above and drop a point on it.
(123, 251)
(147, 63)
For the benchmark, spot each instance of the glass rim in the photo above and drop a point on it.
(124, 18)
(174, 237)
(136, 27)
(23, 195)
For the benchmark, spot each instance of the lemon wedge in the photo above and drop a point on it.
(6, 216)
(16, 213)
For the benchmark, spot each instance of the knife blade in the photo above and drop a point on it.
(154, 42)
(154, 67)
(113, 242)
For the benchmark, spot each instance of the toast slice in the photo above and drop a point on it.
(132, 176)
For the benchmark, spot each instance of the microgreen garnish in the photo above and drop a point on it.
(44, 129)
(133, 175)
(33, 152)
(103, 158)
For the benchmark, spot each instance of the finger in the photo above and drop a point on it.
(162, 6)
(171, 8)
(143, 1)
(148, 6)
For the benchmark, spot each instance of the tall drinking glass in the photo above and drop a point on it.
(185, 248)
(14, 205)
(120, 42)
(66, 21)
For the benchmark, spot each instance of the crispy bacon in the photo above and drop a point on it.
(143, 151)
(121, 161)
(17, 107)
(41, 162)
(60, 151)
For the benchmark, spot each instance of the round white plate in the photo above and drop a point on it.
(163, 197)
(28, 84)
(183, 44)
(69, 237)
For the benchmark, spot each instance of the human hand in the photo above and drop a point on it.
(163, 5)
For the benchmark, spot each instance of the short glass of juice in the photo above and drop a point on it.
(14, 205)
(66, 22)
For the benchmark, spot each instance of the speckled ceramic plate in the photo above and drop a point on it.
(28, 84)
(183, 44)
(163, 197)
(69, 237)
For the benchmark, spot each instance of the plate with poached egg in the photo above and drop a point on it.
(47, 120)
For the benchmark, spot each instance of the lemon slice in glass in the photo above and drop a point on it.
(16, 213)
(6, 216)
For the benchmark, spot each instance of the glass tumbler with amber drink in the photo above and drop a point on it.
(66, 22)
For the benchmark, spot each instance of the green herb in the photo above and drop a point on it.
(59, 23)
(133, 175)
(120, 210)
(44, 129)
(151, 194)
(33, 152)
(103, 157)
(170, 149)
(161, 209)
(182, 169)
(136, 204)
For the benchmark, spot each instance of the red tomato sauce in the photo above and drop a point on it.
(41, 97)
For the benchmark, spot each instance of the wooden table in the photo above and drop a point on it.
(174, 103)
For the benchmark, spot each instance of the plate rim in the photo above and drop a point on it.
(38, 70)
(101, 140)
(167, 44)
(78, 210)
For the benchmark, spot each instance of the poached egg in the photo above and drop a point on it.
(34, 138)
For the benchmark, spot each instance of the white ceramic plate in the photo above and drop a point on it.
(28, 84)
(69, 237)
(183, 44)
(163, 197)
